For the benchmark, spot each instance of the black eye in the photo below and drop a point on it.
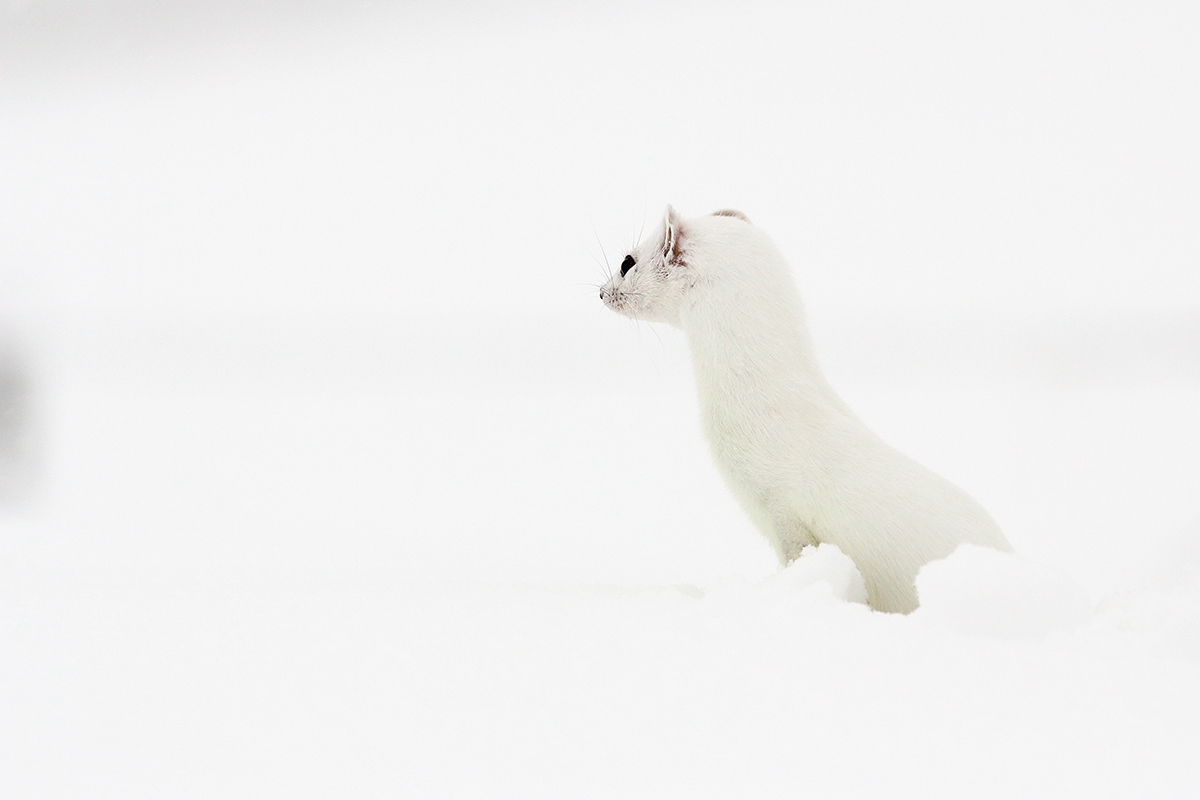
(627, 265)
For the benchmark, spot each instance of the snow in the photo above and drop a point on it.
(983, 592)
(326, 473)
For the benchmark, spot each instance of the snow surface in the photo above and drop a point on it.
(326, 474)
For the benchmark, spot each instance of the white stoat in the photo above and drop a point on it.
(804, 467)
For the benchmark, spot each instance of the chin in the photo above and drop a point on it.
(622, 309)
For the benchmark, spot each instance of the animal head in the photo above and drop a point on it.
(655, 277)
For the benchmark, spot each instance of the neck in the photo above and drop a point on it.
(751, 349)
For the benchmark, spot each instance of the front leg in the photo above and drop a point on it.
(790, 537)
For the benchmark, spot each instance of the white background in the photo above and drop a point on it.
(327, 474)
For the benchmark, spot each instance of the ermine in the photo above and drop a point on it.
(802, 465)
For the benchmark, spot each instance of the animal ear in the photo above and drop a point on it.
(671, 235)
(729, 212)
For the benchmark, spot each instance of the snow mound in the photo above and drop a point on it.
(823, 570)
(980, 591)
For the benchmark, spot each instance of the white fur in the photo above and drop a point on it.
(802, 465)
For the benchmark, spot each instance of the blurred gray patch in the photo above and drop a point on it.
(16, 426)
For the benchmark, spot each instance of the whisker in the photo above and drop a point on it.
(589, 288)
(604, 270)
(606, 264)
